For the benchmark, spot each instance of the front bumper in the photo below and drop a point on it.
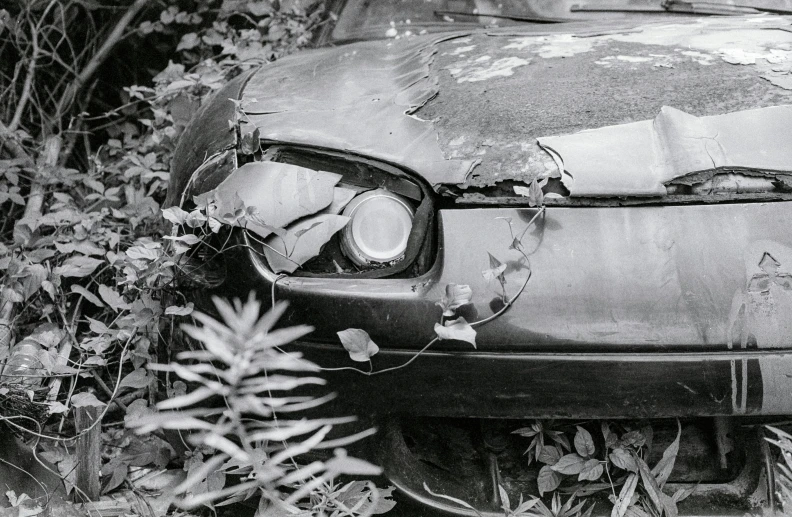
(555, 385)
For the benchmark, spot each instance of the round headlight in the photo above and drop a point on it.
(379, 229)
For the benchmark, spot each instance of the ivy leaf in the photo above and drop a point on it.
(112, 298)
(609, 437)
(87, 295)
(571, 464)
(591, 471)
(584, 443)
(359, 344)
(535, 194)
(548, 480)
(188, 41)
(175, 215)
(457, 329)
(57, 407)
(622, 459)
(176, 310)
(250, 142)
(85, 399)
(456, 295)
(35, 274)
(78, 266)
(634, 439)
(495, 270)
(142, 253)
(136, 379)
(549, 455)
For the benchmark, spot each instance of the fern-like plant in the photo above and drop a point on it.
(242, 411)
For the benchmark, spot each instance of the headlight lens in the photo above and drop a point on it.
(380, 226)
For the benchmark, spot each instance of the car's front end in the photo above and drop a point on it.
(648, 278)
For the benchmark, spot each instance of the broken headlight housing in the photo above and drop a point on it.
(379, 228)
(391, 228)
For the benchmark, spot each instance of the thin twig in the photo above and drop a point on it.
(27, 87)
(99, 57)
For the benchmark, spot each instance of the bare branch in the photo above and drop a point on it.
(99, 57)
(28, 86)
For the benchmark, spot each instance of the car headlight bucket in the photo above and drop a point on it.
(380, 226)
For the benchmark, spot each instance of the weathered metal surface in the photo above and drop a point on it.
(643, 278)
(358, 98)
(573, 83)
(491, 95)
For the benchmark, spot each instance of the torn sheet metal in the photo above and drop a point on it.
(640, 158)
(277, 193)
(358, 98)
(302, 241)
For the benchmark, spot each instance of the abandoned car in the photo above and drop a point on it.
(534, 210)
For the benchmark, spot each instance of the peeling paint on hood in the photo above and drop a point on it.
(580, 82)
(640, 158)
(440, 105)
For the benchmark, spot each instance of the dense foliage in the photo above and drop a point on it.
(93, 98)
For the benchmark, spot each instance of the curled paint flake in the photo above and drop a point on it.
(522, 43)
(699, 57)
(738, 56)
(462, 50)
(499, 68)
(634, 59)
(565, 45)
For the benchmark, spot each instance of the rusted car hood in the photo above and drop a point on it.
(467, 109)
